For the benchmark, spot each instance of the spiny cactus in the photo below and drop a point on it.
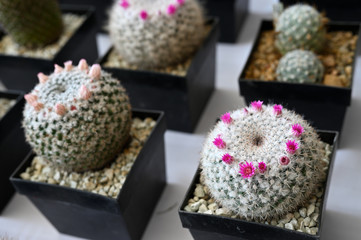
(299, 27)
(300, 66)
(31, 23)
(155, 34)
(262, 161)
(77, 119)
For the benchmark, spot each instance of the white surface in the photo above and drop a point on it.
(22, 220)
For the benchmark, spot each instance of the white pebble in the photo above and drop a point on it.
(199, 192)
(310, 209)
(203, 208)
(289, 226)
(303, 212)
(213, 206)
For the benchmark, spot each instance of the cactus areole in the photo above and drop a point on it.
(78, 118)
(269, 163)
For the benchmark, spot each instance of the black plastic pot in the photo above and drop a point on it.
(101, 8)
(12, 144)
(212, 227)
(231, 14)
(181, 98)
(323, 106)
(88, 215)
(348, 10)
(20, 73)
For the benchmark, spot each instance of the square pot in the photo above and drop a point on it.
(348, 10)
(182, 98)
(101, 10)
(318, 103)
(12, 144)
(89, 215)
(231, 14)
(212, 227)
(20, 72)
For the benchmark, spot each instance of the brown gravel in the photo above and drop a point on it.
(337, 58)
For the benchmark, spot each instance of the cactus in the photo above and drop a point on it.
(299, 27)
(156, 34)
(31, 23)
(301, 67)
(262, 161)
(77, 119)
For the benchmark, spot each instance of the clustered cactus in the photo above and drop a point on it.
(262, 161)
(31, 23)
(77, 119)
(156, 34)
(299, 27)
(300, 66)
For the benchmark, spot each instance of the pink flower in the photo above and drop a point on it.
(143, 15)
(262, 167)
(245, 111)
(277, 109)
(180, 2)
(227, 158)
(292, 146)
(171, 9)
(219, 143)
(247, 170)
(297, 130)
(257, 105)
(284, 160)
(124, 4)
(226, 118)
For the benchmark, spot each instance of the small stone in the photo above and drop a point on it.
(332, 80)
(312, 223)
(203, 208)
(273, 222)
(280, 225)
(297, 215)
(289, 226)
(294, 223)
(57, 176)
(199, 192)
(314, 230)
(73, 184)
(188, 208)
(310, 209)
(195, 206)
(303, 212)
(329, 61)
(213, 206)
(209, 212)
(223, 212)
(308, 230)
(314, 216)
(307, 221)
(25, 176)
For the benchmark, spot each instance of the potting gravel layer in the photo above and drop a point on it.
(337, 58)
(107, 181)
(305, 219)
(5, 105)
(71, 23)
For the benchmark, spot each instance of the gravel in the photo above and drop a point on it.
(107, 181)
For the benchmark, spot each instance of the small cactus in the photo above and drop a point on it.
(299, 27)
(262, 161)
(77, 118)
(156, 34)
(300, 66)
(31, 23)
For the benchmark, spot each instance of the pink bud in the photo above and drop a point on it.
(82, 65)
(124, 4)
(143, 15)
(42, 77)
(84, 93)
(180, 2)
(171, 9)
(95, 71)
(68, 65)
(58, 69)
(60, 109)
(38, 106)
(31, 99)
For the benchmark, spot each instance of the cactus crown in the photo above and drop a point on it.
(262, 161)
(31, 23)
(76, 118)
(300, 66)
(155, 34)
(299, 27)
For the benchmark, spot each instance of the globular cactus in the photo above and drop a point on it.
(299, 27)
(300, 66)
(77, 119)
(262, 161)
(31, 23)
(156, 34)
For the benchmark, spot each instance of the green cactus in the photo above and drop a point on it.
(156, 34)
(299, 27)
(262, 161)
(31, 23)
(77, 120)
(300, 66)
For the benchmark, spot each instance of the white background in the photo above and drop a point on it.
(22, 220)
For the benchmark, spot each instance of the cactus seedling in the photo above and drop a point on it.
(77, 118)
(156, 34)
(269, 162)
